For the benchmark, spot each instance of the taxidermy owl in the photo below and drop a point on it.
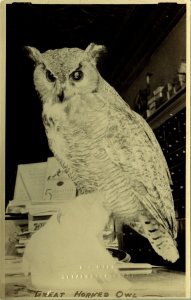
(104, 145)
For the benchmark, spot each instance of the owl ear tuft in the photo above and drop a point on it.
(33, 53)
(95, 51)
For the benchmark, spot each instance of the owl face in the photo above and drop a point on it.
(64, 73)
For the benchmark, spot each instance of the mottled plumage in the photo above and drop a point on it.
(104, 145)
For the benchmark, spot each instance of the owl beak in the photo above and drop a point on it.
(61, 96)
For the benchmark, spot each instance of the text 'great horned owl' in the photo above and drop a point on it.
(104, 145)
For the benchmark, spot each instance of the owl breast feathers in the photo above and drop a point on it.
(104, 145)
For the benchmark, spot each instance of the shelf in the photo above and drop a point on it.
(168, 109)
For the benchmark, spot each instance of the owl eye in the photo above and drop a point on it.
(50, 76)
(77, 75)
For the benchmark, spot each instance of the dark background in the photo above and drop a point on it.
(131, 34)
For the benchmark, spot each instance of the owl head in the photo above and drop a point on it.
(63, 73)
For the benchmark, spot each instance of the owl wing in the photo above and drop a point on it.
(131, 145)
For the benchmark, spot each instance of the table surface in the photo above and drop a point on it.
(150, 283)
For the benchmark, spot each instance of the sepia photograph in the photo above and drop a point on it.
(96, 150)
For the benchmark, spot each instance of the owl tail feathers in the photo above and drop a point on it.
(165, 246)
(169, 252)
(160, 239)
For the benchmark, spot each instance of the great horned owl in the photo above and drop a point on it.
(104, 145)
